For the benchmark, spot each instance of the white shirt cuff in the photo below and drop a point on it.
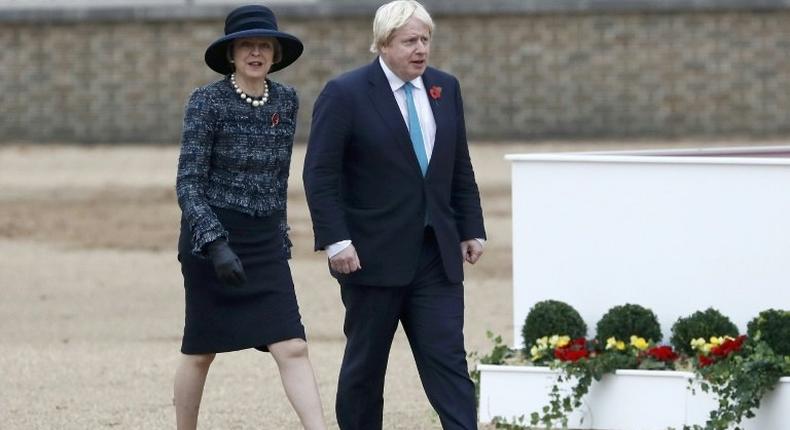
(336, 247)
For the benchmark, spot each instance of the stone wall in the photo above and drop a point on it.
(528, 69)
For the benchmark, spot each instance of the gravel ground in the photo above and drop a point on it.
(92, 304)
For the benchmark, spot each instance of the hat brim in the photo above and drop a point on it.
(216, 54)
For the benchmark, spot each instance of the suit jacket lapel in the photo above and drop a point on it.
(384, 102)
(428, 80)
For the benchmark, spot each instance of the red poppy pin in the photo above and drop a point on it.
(435, 92)
(275, 119)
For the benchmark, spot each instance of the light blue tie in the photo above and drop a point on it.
(415, 131)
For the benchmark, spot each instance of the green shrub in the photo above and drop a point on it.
(626, 320)
(705, 324)
(773, 327)
(551, 317)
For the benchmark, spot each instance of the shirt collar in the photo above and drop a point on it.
(395, 82)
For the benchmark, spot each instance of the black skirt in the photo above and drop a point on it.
(220, 318)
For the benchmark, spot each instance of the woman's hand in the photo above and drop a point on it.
(226, 263)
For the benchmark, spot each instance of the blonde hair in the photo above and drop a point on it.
(391, 16)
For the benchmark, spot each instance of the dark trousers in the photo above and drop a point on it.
(431, 310)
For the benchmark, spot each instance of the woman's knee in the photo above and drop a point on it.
(199, 360)
(291, 348)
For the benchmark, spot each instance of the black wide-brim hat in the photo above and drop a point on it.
(252, 21)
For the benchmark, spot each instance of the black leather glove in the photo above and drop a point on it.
(226, 263)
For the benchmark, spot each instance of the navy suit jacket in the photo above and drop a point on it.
(363, 181)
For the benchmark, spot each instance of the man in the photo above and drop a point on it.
(395, 205)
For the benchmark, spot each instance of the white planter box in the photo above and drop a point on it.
(676, 231)
(627, 400)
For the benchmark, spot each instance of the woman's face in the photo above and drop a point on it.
(253, 56)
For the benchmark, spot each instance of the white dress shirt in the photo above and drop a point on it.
(421, 103)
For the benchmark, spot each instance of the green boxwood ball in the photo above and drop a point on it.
(551, 317)
(628, 320)
(704, 324)
(773, 327)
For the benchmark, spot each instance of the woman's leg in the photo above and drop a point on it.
(188, 388)
(298, 379)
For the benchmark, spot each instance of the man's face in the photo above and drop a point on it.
(407, 52)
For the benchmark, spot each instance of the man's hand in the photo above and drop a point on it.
(471, 250)
(226, 263)
(345, 261)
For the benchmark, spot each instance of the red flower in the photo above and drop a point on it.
(662, 353)
(704, 361)
(574, 351)
(275, 119)
(435, 92)
(571, 355)
(728, 346)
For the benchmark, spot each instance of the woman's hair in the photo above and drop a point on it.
(276, 58)
(392, 16)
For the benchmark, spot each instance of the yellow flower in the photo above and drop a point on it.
(698, 343)
(557, 341)
(613, 343)
(639, 343)
(716, 340)
(543, 342)
(535, 352)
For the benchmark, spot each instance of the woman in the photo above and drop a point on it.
(232, 189)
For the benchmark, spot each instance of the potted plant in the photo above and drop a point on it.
(611, 382)
(740, 371)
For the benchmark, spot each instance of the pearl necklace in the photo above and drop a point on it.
(247, 98)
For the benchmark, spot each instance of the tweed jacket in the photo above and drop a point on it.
(234, 156)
